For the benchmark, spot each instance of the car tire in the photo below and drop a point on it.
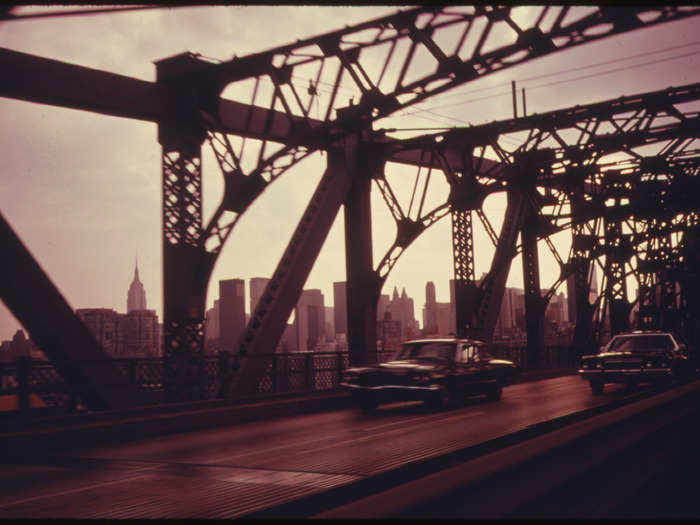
(368, 404)
(597, 387)
(495, 391)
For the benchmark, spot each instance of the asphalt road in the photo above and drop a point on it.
(236, 470)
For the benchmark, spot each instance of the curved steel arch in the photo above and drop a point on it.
(345, 52)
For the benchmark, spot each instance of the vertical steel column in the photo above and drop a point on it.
(362, 287)
(534, 302)
(581, 245)
(646, 297)
(186, 264)
(616, 286)
(463, 261)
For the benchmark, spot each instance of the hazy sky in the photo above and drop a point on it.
(83, 190)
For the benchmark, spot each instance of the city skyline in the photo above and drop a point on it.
(96, 179)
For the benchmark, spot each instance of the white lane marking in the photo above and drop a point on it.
(79, 489)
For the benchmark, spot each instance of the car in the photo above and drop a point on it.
(436, 371)
(642, 356)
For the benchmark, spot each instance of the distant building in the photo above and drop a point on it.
(20, 346)
(103, 323)
(382, 306)
(231, 312)
(329, 316)
(134, 334)
(430, 322)
(136, 297)
(257, 289)
(389, 336)
(211, 325)
(288, 341)
(401, 309)
(309, 318)
(139, 335)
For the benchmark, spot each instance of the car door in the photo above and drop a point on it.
(473, 368)
(461, 371)
(489, 370)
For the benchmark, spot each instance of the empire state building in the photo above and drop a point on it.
(136, 299)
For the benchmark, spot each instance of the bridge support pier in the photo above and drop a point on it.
(363, 284)
(186, 264)
(534, 302)
(466, 291)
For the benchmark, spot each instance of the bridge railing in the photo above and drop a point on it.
(560, 356)
(31, 386)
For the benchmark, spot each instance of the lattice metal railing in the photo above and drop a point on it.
(37, 385)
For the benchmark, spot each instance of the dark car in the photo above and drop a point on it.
(435, 371)
(638, 357)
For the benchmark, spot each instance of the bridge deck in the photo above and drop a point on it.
(236, 470)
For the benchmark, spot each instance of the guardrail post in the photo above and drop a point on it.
(24, 365)
(308, 366)
(273, 373)
(339, 364)
(225, 373)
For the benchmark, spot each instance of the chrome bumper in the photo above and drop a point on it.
(644, 372)
(428, 388)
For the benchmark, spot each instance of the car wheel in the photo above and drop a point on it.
(597, 387)
(368, 403)
(495, 391)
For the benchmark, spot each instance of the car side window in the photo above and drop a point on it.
(467, 352)
(462, 353)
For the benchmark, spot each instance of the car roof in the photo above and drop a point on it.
(644, 332)
(443, 340)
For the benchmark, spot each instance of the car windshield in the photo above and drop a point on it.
(640, 343)
(426, 350)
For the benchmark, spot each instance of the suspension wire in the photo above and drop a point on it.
(8, 17)
(563, 71)
(530, 88)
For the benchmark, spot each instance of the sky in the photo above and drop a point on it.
(83, 190)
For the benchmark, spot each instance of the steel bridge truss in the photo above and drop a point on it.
(284, 104)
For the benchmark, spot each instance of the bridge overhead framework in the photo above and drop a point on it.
(554, 181)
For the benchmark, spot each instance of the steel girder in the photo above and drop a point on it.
(198, 92)
(282, 292)
(86, 368)
(569, 168)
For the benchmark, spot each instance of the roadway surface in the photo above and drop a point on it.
(240, 470)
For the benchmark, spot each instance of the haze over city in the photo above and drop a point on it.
(83, 191)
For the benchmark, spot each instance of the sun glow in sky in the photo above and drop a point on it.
(83, 190)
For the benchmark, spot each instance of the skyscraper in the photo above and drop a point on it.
(211, 327)
(309, 317)
(138, 334)
(401, 309)
(257, 288)
(231, 312)
(103, 323)
(430, 323)
(136, 298)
